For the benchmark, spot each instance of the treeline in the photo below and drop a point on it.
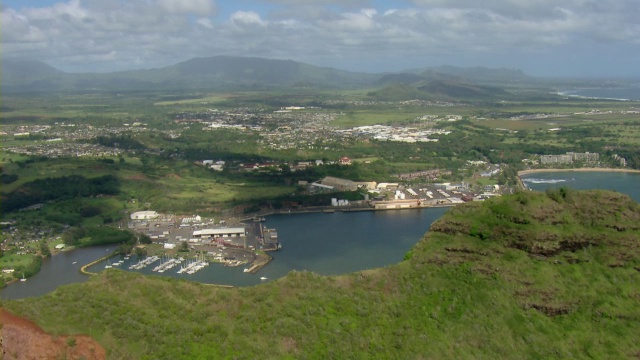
(631, 154)
(97, 235)
(66, 187)
(126, 142)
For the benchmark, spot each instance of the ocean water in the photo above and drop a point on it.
(627, 183)
(617, 93)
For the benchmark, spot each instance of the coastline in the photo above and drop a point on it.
(534, 171)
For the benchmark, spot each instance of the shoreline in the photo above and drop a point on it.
(534, 171)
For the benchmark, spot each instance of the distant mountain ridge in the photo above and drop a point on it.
(198, 73)
(237, 73)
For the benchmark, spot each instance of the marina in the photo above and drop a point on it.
(144, 263)
(168, 264)
(193, 267)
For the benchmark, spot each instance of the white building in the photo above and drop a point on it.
(221, 232)
(144, 215)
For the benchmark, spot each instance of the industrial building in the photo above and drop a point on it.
(219, 233)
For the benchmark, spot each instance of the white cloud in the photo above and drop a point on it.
(197, 7)
(241, 18)
(115, 34)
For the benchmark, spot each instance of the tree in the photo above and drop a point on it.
(184, 246)
(144, 239)
(140, 252)
(73, 235)
(44, 249)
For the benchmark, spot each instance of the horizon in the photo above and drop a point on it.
(571, 40)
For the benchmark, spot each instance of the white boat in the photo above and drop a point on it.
(75, 262)
(23, 278)
(263, 278)
(245, 270)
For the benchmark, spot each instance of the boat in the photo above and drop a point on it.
(75, 262)
(245, 270)
(263, 278)
(108, 266)
(23, 278)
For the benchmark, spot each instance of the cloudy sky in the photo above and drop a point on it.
(541, 37)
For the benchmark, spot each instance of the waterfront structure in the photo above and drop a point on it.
(339, 184)
(396, 204)
(219, 232)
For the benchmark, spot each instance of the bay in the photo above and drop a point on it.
(626, 183)
(614, 93)
(327, 244)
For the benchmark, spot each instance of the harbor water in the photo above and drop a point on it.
(325, 243)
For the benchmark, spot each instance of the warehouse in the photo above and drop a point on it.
(219, 233)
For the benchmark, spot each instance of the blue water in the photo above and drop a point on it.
(627, 183)
(327, 244)
(618, 93)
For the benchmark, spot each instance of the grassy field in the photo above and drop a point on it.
(525, 276)
(211, 99)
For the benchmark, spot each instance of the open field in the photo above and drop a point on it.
(203, 100)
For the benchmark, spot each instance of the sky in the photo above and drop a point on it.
(568, 38)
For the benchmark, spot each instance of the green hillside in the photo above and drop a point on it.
(403, 87)
(531, 275)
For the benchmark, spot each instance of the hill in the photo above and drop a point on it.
(405, 87)
(218, 72)
(531, 275)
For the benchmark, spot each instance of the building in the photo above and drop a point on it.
(569, 158)
(396, 204)
(144, 215)
(344, 161)
(556, 159)
(339, 184)
(585, 156)
(219, 233)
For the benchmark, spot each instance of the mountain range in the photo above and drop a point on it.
(227, 72)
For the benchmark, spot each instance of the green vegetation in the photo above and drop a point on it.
(97, 235)
(531, 275)
(66, 187)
